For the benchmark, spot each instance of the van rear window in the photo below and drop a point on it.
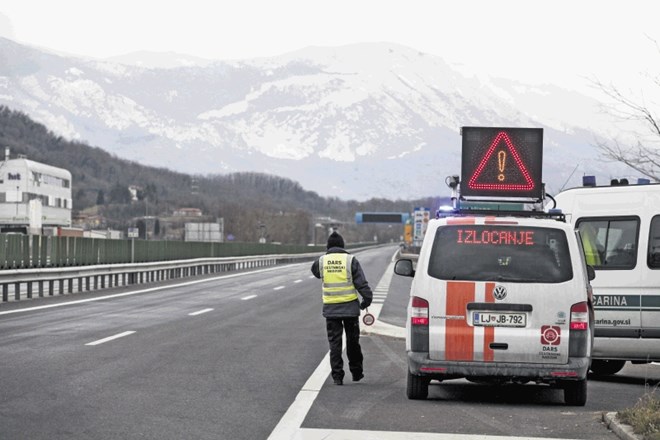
(500, 253)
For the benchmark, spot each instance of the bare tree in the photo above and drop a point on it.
(643, 153)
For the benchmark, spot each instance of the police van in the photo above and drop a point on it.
(501, 290)
(499, 299)
(620, 229)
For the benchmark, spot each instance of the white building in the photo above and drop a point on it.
(33, 195)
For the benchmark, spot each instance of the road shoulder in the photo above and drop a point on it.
(623, 431)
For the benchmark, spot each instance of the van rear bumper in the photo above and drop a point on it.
(419, 364)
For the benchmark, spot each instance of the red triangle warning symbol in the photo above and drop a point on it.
(498, 178)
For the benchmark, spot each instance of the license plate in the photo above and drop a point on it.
(494, 319)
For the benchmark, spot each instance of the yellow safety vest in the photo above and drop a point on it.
(337, 278)
(591, 254)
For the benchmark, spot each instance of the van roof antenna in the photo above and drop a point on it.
(569, 178)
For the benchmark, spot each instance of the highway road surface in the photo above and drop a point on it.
(244, 356)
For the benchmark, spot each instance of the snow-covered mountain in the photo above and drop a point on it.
(355, 122)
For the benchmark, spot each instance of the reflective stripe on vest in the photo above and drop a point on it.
(337, 278)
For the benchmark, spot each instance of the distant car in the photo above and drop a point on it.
(500, 300)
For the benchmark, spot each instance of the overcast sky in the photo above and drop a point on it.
(557, 41)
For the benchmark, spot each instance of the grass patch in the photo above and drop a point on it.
(644, 417)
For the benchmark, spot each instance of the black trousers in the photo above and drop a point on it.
(351, 326)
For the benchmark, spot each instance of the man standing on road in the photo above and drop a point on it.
(343, 279)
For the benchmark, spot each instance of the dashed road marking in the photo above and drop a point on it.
(199, 312)
(151, 289)
(245, 298)
(110, 338)
(278, 288)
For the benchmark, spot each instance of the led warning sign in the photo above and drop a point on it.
(511, 237)
(502, 163)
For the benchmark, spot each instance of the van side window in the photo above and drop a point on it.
(610, 243)
(653, 258)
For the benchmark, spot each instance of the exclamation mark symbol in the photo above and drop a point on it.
(501, 163)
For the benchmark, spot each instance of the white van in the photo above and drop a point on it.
(620, 229)
(499, 299)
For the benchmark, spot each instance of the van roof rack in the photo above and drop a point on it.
(554, 214)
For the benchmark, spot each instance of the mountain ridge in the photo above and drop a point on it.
(244, 200)
(354, 122)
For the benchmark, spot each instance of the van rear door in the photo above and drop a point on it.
(501, 292)
(650, 297)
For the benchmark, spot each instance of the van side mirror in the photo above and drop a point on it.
(404, 267)
(591, 273)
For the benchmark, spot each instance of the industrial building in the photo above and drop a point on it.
(33, 196)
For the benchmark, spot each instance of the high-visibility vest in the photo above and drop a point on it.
(591, 255)
(337, 278)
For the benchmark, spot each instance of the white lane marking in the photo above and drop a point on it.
(380, 327)
(245, 298)
(199, 312)
(342, 434)
(110, 338)
(297, 281)
(289, 425)
(151, 289)
(278, 288)
(383, 288)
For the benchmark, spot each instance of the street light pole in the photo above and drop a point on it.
(146, 219)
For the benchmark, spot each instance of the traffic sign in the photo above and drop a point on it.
(368, 318)
(502, 163)
(421, 217)
(381, 217)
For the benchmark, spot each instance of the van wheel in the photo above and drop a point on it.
(605, 367)
(575, 392)
(417, 387)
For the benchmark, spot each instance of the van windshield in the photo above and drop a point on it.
(500, 253)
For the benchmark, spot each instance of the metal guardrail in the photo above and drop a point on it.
(51, 281)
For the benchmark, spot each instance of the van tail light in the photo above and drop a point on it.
(420, 311)
(580, 316)
(579, 340)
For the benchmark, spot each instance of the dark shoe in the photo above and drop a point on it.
(358, 377)
(338, 381)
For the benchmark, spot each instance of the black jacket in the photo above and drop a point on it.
(352, 308)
